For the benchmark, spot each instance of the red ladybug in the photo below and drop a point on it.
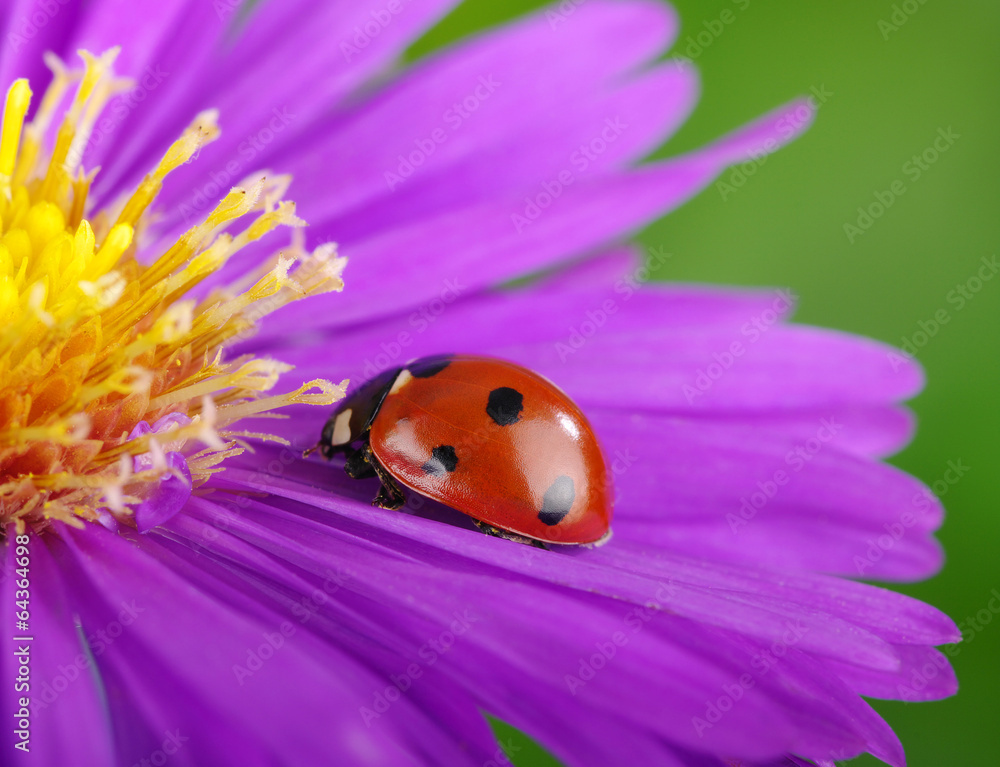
(484, 436)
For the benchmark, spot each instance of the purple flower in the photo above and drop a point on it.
(182, 586)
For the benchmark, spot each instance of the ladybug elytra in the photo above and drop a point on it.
(485, 436)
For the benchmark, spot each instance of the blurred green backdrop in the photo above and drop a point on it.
(892, 86)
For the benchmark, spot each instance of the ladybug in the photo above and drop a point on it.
(485, 436)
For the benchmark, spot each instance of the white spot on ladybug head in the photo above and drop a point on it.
(342, 428)
(402, 379)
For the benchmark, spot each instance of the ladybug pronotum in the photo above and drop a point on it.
(484, 436)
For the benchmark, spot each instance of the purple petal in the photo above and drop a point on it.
(169, 494)
(67, 716)
(365, 628)
(483, 243)
(26, 41)
(628, 570)
(722, 369)
(143, 32)
(730, 490)
(514, 636)
(300, 697)
(498, 123)
(924, 674)
(299, 70)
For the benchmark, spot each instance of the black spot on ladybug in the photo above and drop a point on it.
(443, 459)
(505, 406)
(430, 366)
(558, 501)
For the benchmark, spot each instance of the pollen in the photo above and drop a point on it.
(114, 371)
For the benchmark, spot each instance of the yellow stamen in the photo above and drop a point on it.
(18, 100)
(95, 341)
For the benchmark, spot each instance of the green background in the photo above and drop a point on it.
(892, 90)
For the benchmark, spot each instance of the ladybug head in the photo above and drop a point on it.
(353, 417)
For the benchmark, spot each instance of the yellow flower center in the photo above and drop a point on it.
(95, 341)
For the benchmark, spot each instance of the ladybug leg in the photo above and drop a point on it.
(389, 498)
(390, 494)
(357, 465)
(496, 532)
